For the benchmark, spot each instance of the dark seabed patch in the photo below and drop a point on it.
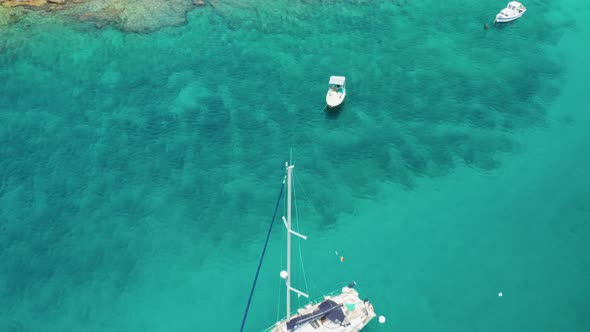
(130, 161)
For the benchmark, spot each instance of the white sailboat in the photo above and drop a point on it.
(341, 311)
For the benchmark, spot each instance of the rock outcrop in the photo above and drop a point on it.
(35, 3)
(141, 16)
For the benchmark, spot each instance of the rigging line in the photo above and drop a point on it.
(296, 179)
(300, 254)
(262, 256)
(306, 196)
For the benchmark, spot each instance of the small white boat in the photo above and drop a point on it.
(513, 10)
(336, 92)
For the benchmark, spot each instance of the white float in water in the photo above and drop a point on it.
(284, 274)
(381, 319)
(500, 294)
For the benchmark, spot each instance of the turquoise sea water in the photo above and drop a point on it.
(138, 172)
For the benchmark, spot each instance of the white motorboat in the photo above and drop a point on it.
(513, 10)
(336, 92)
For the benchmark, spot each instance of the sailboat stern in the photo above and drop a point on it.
(358, 312)
(344, 311)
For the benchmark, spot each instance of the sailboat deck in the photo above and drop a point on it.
(357, 313)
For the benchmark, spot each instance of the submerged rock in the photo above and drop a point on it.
(35, 3)
(142, 16)
(15, 3)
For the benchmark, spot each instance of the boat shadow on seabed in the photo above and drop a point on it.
(503, 25)
(333, 113)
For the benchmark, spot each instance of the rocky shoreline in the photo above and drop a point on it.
(49, 4)
(142, 16)
(53, 3)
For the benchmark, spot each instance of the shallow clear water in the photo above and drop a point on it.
(138, 172)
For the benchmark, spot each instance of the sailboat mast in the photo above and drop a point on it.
(289, 171)
(287, 274)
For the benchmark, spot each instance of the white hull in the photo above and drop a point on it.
(335, 98)
(504, 19)
(514, 10)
